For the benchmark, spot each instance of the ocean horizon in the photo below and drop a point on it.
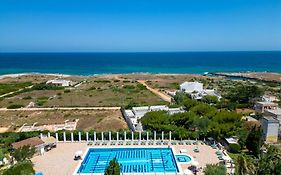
(86, 63)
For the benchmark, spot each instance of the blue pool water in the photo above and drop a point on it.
(183, 158)
(139, 160)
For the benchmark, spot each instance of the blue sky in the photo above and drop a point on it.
(139, 25)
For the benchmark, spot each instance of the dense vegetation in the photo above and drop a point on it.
(11, 87)
(268, 163)
(21, 168)
(200, 121)
(215, 170)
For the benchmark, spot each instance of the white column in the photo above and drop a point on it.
(154, 136)
(87, 136)
(170, 136)
(117, 135)
(57, 137)
(72, 138)
(49, 135)
(162, 135)
(132, 136)
(79, 136)
(147, 136)
(64, 137)
(95, 136)
(139, 135)
(41, 135)
(125, 136)
(109, 135)
(101, 136)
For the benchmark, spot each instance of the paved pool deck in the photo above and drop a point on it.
(59, 161)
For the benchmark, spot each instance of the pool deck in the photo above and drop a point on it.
(59, 161)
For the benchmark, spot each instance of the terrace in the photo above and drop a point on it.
(60, 160)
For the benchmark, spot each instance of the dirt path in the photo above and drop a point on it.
(10, 93)
(61, 108)
(162, 95)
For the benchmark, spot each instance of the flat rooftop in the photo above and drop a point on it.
(275, 111)
(271, 119)
(267, 103)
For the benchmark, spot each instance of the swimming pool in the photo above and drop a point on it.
(131, 160)
(183, 158)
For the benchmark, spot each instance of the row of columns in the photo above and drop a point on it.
(109, 136)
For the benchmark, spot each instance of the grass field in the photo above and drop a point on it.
(105, 120)
(95, 91)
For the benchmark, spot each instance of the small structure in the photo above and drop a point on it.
(270, 127)
(59, 82)
(190, 87)
(132, 116)
(250, 119)
(33, 142)
(196, 90)
(231, 140)
(275, 113)
(270, 98)
(261, 107)
(50, 142)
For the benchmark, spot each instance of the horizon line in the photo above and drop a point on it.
(3, 52)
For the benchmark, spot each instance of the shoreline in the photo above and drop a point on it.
(247, 75)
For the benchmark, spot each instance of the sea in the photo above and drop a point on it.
(139, 62)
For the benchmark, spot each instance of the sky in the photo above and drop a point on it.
(139, 25)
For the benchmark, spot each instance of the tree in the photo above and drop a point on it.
(21, 168)
(23, 153)
(254, 141)
(210, 99)
(234, 148)
(215, 170)
(270, 162)
(244, 166)
(180, 97)
(113, 168)
(188, 103)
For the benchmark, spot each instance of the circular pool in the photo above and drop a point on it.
(183, 158)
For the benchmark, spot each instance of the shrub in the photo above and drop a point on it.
(215, 170)
(66, 91)
(43, 86)
(21, 168)
(27, 98)
(15, 106)
(234, 148)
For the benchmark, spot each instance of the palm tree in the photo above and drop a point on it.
(244, 166)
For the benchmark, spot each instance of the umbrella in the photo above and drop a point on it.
(187, 172)
(195, 163)
(78, 153)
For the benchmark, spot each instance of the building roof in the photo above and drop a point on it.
(267, 103)
(49, 140)
(231, 140)
(275, 111)
(251, 119)
(33, 141)
(271, 119)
